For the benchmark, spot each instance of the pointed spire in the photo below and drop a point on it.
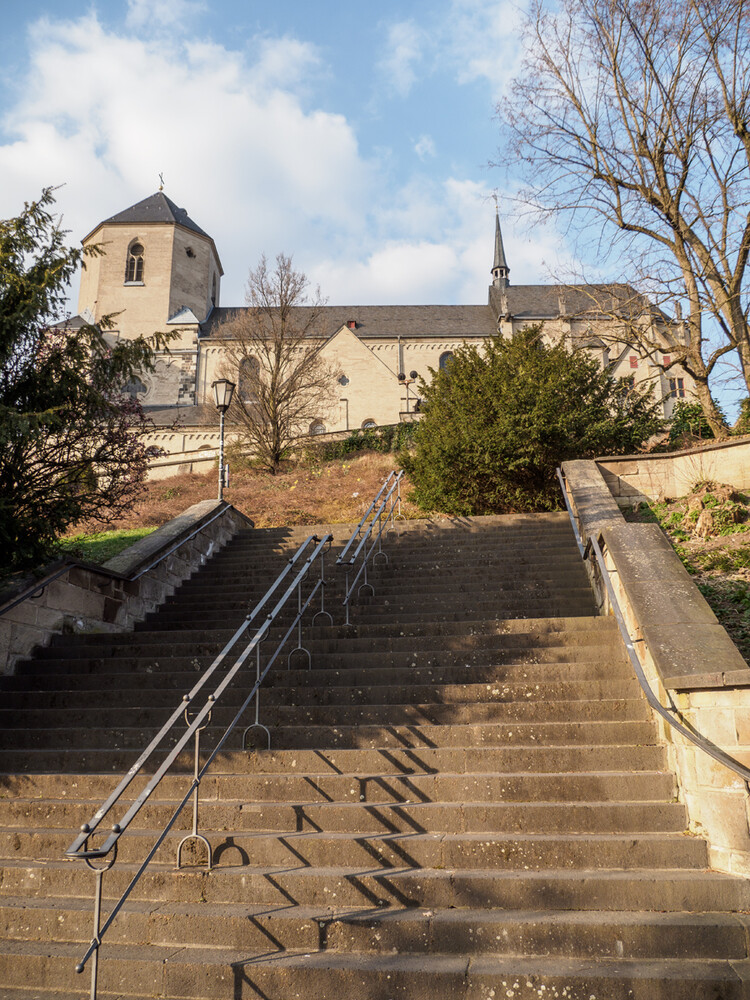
(500, 269)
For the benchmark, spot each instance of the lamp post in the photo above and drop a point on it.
(413, 376)
(223, 390)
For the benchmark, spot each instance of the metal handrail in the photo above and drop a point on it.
(107, 852)
(391, 485)
(358, 529)
(592, 545)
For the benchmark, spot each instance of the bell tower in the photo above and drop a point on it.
(156, 264)
(157, 271)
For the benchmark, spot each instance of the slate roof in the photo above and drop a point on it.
(531, 302)
(157, 208)
(435, 322)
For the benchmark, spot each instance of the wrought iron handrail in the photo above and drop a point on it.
(384, 518)
(107, 852)
(592, 545)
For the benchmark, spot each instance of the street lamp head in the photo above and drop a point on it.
(223, 390)
(401, 377)
(413, 374)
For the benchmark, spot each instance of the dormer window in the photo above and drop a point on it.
(134, 264)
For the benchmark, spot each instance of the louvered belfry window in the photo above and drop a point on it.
(134, 265)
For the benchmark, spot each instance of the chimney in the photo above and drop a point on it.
(352, 324)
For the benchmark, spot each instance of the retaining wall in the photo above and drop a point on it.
(634, 478)
(687, 656)
(112, 597)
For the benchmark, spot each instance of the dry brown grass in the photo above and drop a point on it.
(301, 493)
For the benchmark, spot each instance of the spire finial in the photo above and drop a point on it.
(500, 269)
(161, 182)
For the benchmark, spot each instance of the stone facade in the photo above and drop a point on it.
(178, 288)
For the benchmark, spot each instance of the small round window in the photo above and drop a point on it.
(318, 427)
(369, 424)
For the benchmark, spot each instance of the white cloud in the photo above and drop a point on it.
(424, 147)
(250, 165)
(403, 53)
(104, 113)
(482, 40)
(284, 62)
(163, 13)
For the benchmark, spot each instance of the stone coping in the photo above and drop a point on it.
(145, 550)
(689, 647)
(126, 564)
(656, 456)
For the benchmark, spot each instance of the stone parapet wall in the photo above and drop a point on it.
(635, 478)
(689, 660)
(80, 597)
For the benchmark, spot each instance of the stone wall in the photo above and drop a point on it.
(636, 478)
(689, 660)
(80, 597)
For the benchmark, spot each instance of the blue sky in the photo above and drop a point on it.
(354, 136)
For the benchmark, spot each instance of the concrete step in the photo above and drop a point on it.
(460, 637)
(371, 850)
(235, 791)
(416, 734)
(341, 712)
(465, 796)
(319, 692)
(42, 769)
(210, 973)
(563, 933)
(178, 674)
(664, 890)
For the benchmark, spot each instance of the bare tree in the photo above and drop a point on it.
(273, 353)
(633, 116)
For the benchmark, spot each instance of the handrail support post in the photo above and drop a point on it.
(97, 923)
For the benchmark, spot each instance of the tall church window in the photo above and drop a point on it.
(445, 360)
(248, 378)
(134, 264)
(213, 292)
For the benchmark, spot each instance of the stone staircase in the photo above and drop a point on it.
(465, 797)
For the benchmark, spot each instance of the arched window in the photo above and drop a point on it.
(445, 359)
(369, 424)
(317, 427)
(134, 263)
(249, 375)
(213, 292)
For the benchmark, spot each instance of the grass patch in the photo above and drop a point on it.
(103, 545)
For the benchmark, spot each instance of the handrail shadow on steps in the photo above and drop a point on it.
(591, 545)
(101, 859)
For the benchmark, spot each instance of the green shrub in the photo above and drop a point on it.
(499, 421)
(389, 438)
(688, 419)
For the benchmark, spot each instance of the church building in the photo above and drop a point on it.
(161, 271)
